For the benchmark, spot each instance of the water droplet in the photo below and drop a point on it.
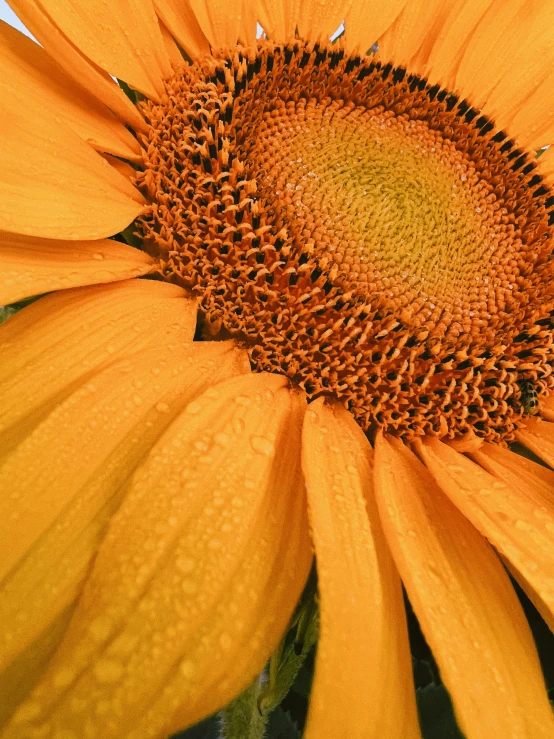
(225, 641)
(162, 407)
(262, 445)
(193, 407)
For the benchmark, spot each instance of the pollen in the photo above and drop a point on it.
(372, 237)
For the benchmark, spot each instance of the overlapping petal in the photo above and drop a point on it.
(47, 349)
(363, 625)
(121, 37)
(26, 66)
(52, 184)
(31, 266)
(467, 608)
(196, 578)
(366, 21)
(181, 21)
(538, 436)
(510, 501)
(94, 79)
(56, 503)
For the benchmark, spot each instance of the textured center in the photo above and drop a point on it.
(370, 236)
(399, 208)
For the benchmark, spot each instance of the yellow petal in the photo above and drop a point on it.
(518, 518)
(52, 184)
(64, 482)
(465, 603)
(54, 343)
(319, 19)
(501, 29)
(363, 623)
(407, 42)
(125, 169)
(26, 66)
(174, 55)
(181, 21)
(69, 57)
(533, 123)
(31, 266)
(197, 576)
(121, 37)
(366, 21)
(279, 18)
(221, 21)
(454, 38)
(538, 436)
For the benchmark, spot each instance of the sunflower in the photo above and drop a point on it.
(338, 321)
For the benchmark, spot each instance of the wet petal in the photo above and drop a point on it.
(319, 19)
(219, 20)
(181, 21)
(197, 577)
(30, 266)
(366, 21)
(54, 343)
(26, 66)
(66, 479)
(122, 38)
(279, 18)
(511, 503)
(363, 623)
(465, 603)
(52, 184)
(538, 436)
(75, 64)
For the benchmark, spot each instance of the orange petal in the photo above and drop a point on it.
(534, 123)
(125, 169)
(538, 436)
(172, 50)
(463, 598)
(279, 18)
(85, 73)
(56, 342)
(59, 499)
(181, 21)
(319, 19)
(33, 266)
(452, 41)
(366, 21)
(408, 40)
(197, 576)
(122, 38)
(363, 623)
(25, 65)
(223, 22)
(52, 184)
(519, 520)
(486, 58)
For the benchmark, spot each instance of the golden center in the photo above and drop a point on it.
(370, 236)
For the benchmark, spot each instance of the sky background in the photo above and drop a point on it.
(7, 14)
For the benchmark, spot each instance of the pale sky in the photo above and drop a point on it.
(7, 14)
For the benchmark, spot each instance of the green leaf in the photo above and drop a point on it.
(243, 718)
(436, 714)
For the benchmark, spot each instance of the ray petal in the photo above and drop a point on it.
(76, 65)
(408, 40)
(52, 184)
(221, 21)
(25, 65)
(279, 18)
(319, 19)
(35, 266)
(52, 344)
(522, 522)
(366, 21)
(538, 436)
(121, 37)
(181, 21)
(363, 623)
(66, 479)
(196, 578)
(465, 603)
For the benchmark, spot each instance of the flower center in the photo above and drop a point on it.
(368, 235)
